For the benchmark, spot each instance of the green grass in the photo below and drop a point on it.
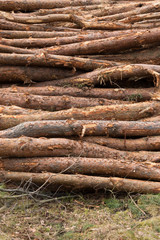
(81, 217)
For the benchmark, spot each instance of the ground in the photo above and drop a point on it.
(77, 216)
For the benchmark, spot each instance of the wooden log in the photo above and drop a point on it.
(34, 34)
(113, 76)
(128, 112)
(141, 17)
(49, 42)
(81, 128)
(61, 147)
(30, 5)
(46, 60)
(88, 166)
(10, 49)
(79, 182)
(151, 55)
(134, 10)
(138, 40)
(56, 103)
(15, 74)
(128, 94)
(139, 144)
(14, 110)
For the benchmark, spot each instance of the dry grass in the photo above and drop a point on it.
(96, 216)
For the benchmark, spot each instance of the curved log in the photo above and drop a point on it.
(88, 166)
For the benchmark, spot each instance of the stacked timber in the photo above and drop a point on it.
(79, 94)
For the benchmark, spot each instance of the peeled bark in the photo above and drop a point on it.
(128, 94)
(140, 144)
(81, 128)
(113, 76)
(46, 60)
(61, 147)
(15, 74)
(56, 103)
(79, 182)
(79, 165)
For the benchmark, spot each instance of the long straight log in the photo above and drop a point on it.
(15, 74)
(31, 5)
(140, 144)
(151, 56)
(116, 44)
(41, 59)
(61, 147)
(88, 166)
(48, 42)
(34, 34)
(128, 94)
(14, 110)
(81, 128)
(56, 103)
(128, 112)
(79, 182)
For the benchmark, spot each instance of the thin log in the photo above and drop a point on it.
(15, 74)
(56, 103)
(41, 59)
(141, 17)
(128, 94)
(79, 182)
(10, 49)
(88, 166)
(61, 147)
(14, 110)
(139, 144)
(81, 128)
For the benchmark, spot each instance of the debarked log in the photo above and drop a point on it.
(61, 147)
(56, 103)
(79, 165)
(81, 128)
(151, 143)
(25, 74)
(79, 182)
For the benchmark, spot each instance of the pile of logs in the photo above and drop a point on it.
(79, 94)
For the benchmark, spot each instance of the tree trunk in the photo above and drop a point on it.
(79, 182)
(15, 74)
(88, 166)
(45, 60)
(81, 128)
(56, 103)
(128, 94)
(147, 143)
